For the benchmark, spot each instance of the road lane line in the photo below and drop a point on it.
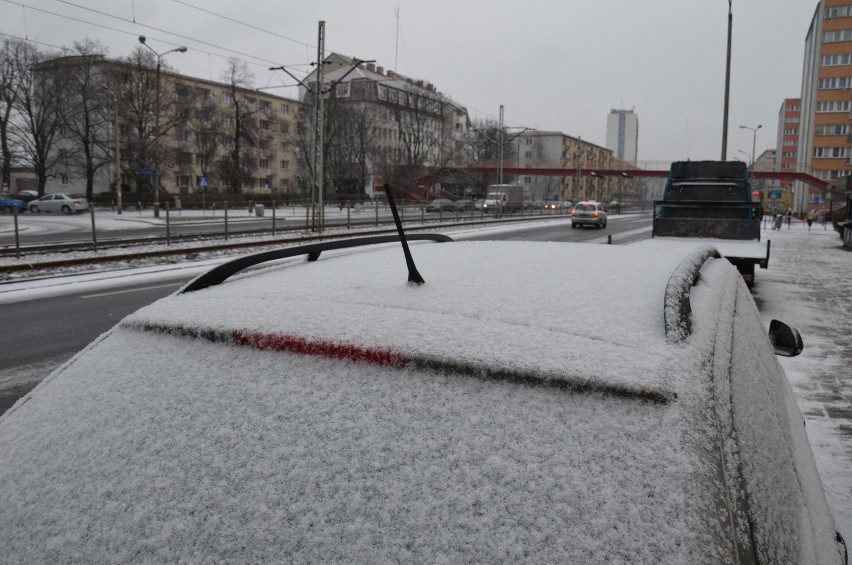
(100, 294)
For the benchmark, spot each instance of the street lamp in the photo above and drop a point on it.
(181, 49)
(753, 142)
(750, 160)
(727, 85)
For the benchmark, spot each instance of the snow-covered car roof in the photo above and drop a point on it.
(524, 404)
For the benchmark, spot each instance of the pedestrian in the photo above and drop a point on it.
(789, 215)
(811, 218)
(777, 222)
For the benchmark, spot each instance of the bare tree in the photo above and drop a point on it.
(425, 139)
(85, 109)
(485, 146)
(206, 126)
(349, 141)
(135, 85)
(240, 127)
(9, 78)
(39, 98)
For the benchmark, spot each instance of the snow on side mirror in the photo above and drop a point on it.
(786, 340)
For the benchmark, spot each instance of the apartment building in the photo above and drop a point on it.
(556, 150)
(408, 122)
(185, 138)
(825, 145)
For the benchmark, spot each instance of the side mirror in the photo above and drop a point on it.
(786, 340)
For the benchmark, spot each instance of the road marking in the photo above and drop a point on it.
(98, 295)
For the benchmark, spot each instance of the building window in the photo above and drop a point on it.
(201, 160)
(791, 131)
(838, 12)
(264, 163)
(265, 105)
(183, 180)
(285, 108)
(830, 129)
(263, 144)
(834, 82)
(285, 184)
(264, 124)
(63, 178)
(342, 90)
(285, 146)
(285, 128)
(836, 59)
(790, 142)
(382, 92)
(285, 165)
(227, 119)
(830, 152)
(829, 106)
(227, 97)
(837, 35)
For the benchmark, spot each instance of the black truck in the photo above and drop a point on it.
(713, 200)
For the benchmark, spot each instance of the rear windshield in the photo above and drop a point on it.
(584, 207)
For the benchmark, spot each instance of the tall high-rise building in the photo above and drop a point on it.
(622, 134)
(825, 148)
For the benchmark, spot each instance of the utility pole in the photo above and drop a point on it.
(500, 148)
(727, 86)
(319, 133)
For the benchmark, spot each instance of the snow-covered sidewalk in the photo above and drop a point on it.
(808, 285)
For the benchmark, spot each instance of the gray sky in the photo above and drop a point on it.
(553, 64)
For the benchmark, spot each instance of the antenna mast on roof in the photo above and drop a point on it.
(396, 48)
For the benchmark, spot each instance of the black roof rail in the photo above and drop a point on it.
(677, 310)
(224, 271)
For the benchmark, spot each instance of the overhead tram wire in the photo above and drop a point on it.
(252, 26)
(161, 30)
(257, 61)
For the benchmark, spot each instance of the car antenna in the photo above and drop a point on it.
(413, 276)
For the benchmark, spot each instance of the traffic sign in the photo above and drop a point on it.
(146, 171)
(202, 183)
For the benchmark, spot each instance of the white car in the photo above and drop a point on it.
(588, 213)
(339, 411)
(59, 202)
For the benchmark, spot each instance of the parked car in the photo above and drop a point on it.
(333, 411)
(439, 204)
(588, 213)
(9, 204)
(59, 202)
(26, 195)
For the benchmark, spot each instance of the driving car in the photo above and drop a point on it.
(9, 204)
(588, 213)
(371, 404)
(59, 202)
(439, 204)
